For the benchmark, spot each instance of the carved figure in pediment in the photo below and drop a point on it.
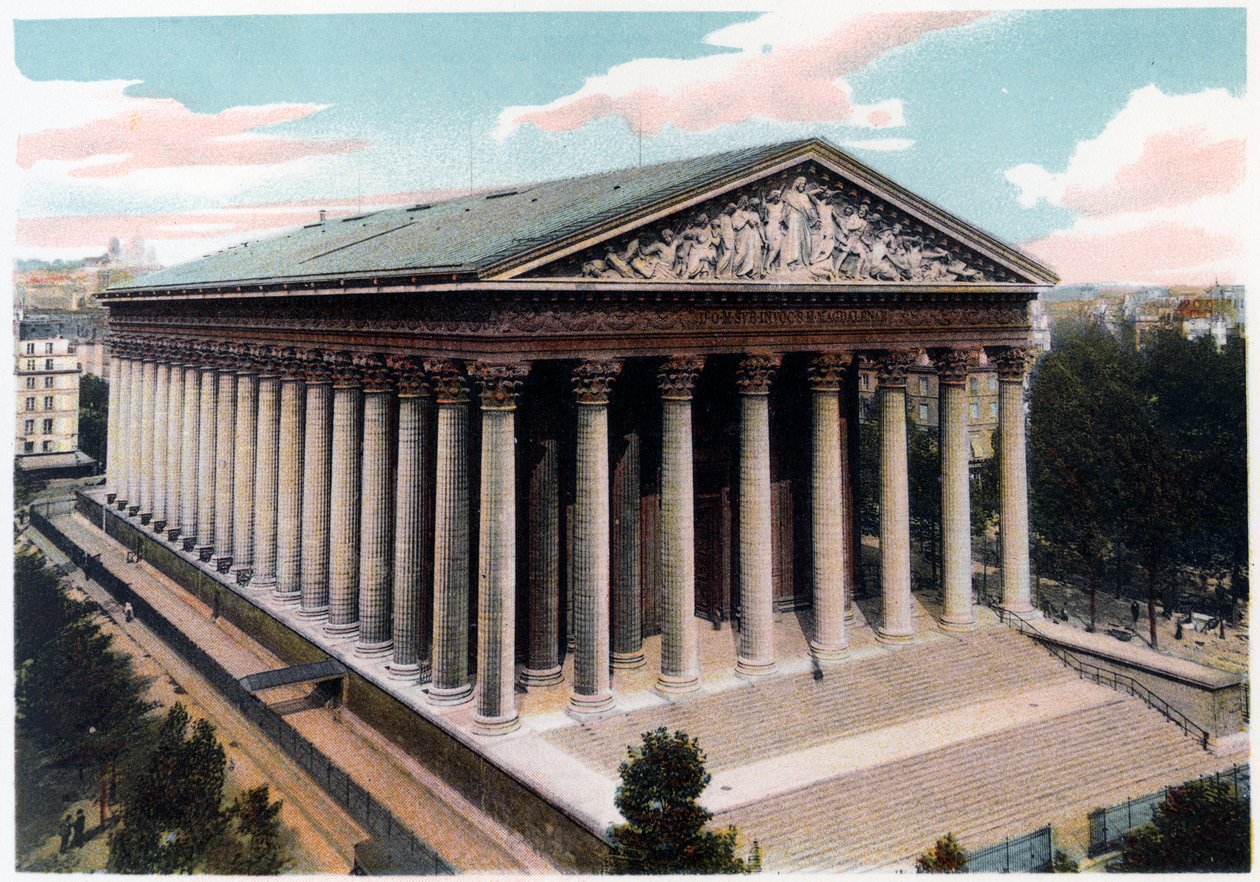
(701, 245)
(750, 239)
(774, 230)
(852, 244)
(724, 232)
(800, 218)
(655, 260)
(825, 240)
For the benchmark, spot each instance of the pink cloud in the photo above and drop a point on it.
(1161, 253)
(795, 83)
(1174, 167)
(163, 133)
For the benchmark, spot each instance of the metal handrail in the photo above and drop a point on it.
(1105, 677)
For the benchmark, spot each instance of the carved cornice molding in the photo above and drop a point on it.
(593, 381)
(410, 377)
(449, 383)
(500, 384)
(894, 365)
(953, 365)
(676, 377)
(1011, 363)
(755, 374)
(826, 371)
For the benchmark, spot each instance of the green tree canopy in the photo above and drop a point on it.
(93, 416)
(1202, 826)
(946, 856)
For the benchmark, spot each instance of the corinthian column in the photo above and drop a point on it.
(592, 382)
(113, 444)
(316, 485)
(174, 449)
(245, 463)
(756, 585)
(135, 423)
(412, 520)
(894, 501)
(161, 404)
(827, 511)
(207, 458)
(680, 667)
(292, 441)
(627, 615)
(496, 589)
(344, 506)
(451, 683)
(1013, 492)
(959, 614)
(376, 517)
(190, 433)
(148, 395)
(542, 656)
(266, 470)
(225, 460)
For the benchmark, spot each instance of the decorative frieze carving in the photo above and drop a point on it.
(806, 224)
(593, 381)
(676, 377)
(826, 371)
(755, 373)
(1012, 364)
(500, 384)
(894, 365)
(953, 365)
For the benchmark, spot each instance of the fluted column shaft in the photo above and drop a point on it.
(344, 506)
(627, 615)
(190, 434)
(827, 512)
(411, 624)
(161, 407)
(316, 487)
(207, 462)
(135, 435)
(148, 395)
(680, 667)
(292, 443)
(225, 464)
(1013, 492)
(591, 560)
(113, 446)
(376, 520)
(496, 586)
(451, 683)
(266, 480)
(174, 450)
(243, 472)
(756, 579)
(894, 503)
(955, 443)
(542, 660)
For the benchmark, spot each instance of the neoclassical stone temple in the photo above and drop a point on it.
(475, 436)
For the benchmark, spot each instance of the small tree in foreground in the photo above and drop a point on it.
(1202, 826)
(664, 830)
(946, 856)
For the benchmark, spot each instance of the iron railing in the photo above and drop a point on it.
(1031, 853)
(1107, 677)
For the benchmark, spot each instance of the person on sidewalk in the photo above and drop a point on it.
(80, 822)
(1135, 611)
(67, 829)
(128, 612)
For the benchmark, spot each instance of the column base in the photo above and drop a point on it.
(286, 596)
(313, 612)
(449, 696)
(628, 661)
(674, 684)
(239, 566)
(585, 705)
(826, 653)
(410, 673)
(894, 638)
(266, 583)
(500, 725)
(1024, 611)
(542, 676)
(957, 625)
(850, 615)
(374, 650)
(342, 629)
(751, 670)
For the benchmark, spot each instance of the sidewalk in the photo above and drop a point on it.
(467, 838)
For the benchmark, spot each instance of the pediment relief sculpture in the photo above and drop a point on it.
(802, 225)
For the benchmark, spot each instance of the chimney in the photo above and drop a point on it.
(323, 215)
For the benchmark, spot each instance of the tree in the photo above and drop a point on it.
(93, 416)
(661, 782)
(946, 856)
(175, 820)
(1202, 826)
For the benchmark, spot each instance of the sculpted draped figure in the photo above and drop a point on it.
(798, 231)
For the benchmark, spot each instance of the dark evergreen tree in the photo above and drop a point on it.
(946, 856)
(1202, 827)
(93, 416)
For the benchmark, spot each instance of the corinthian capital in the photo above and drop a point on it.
(826, 372)
(449, 383)
(593, 381)
(755, 373)
(500, 384)
(1011, 364)
(676, 377)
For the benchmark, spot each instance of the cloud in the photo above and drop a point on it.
(1158, 193)
(788, 66)
(110, 134)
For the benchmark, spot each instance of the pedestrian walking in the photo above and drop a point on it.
(67, 829)
(80, 822)
(1135, 611)
(128, 612)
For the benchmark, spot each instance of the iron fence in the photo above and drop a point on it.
(1031, 853)
(410, 854)
(1108, 826)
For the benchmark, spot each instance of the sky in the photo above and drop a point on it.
(1107, 143)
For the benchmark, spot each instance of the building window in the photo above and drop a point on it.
(48, 349)
(46, 446)
(923, 412)
(992, 408)
(28, 427)
(48, 364)
(48, 427)
(48, 402)
(975, 385)
(48, 382)
(923, 385)
(975, 411)
(30, 404)
(30, 382)
(28, 447)
(30, 348)
(30, 364)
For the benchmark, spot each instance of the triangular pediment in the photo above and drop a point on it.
(812, 216)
